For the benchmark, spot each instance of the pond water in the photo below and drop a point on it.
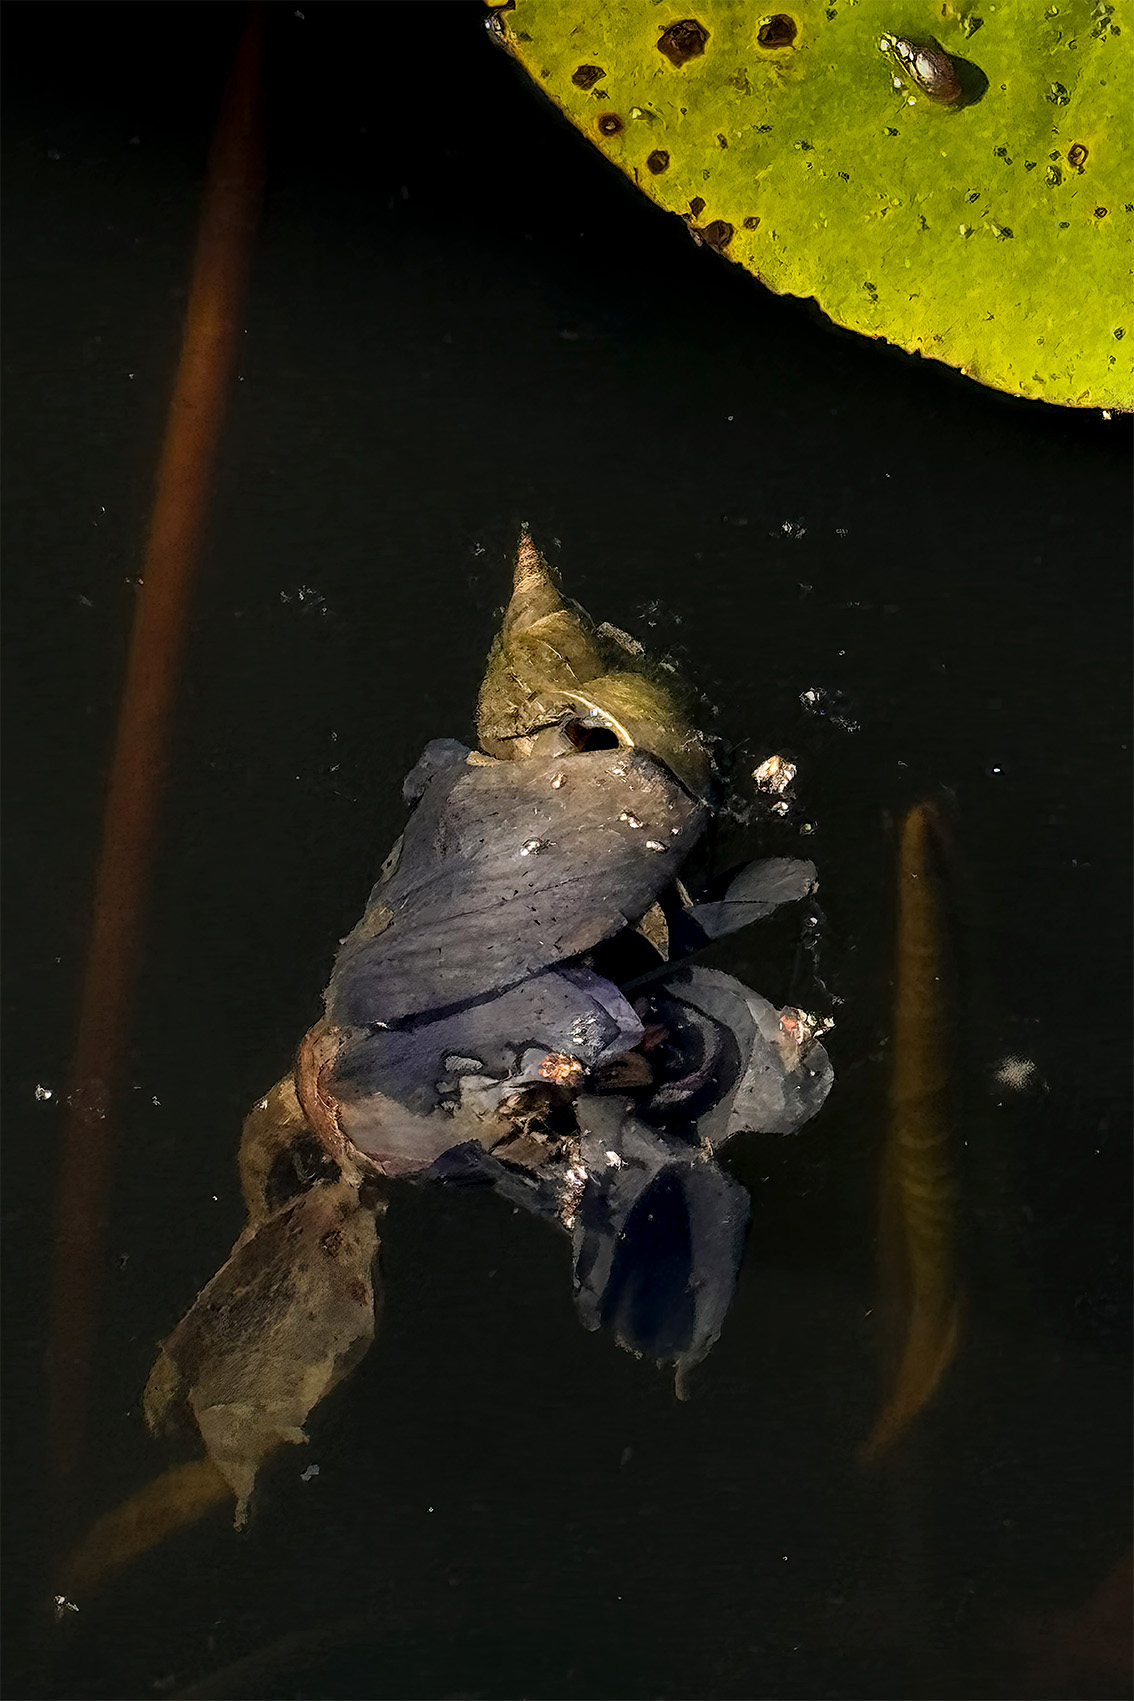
(460, 319)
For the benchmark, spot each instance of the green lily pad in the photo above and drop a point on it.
(994, 233)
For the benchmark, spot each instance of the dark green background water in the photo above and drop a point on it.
(460, 318)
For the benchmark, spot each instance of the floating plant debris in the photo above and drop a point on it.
(489, 1020)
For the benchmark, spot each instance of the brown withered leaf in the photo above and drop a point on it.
(292, 1310)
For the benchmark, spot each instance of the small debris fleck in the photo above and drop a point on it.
(307, 1475)
(654, 845)
(630, 820)
(802, 1028)
(561, 1069)
(1077, 156)
(531, 847)
(775, 774)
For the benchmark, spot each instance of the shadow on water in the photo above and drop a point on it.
(460, 320)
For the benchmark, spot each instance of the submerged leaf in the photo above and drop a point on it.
(827, 150)
(288, 1315)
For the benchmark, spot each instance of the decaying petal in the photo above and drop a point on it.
(503, 873)
(658, 1238)
(757, 890)
(783, 1075)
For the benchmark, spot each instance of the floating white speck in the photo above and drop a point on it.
(311, 1471)
(556, 781)
(630, 820)
(43, 1094)
(531, 847)
(1015, 1073)
(654, 844)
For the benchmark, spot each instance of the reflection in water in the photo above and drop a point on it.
(212, 339)
(1088, 1650)
(918, 1299)
(512, 1011)
(173, 1500)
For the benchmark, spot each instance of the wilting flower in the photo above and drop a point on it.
(513, 1009)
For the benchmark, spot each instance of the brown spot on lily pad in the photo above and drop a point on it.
(752, 222)
(657, 162)
(587, 76)
(778, 30)
(696, 206)
(683, 41)
(610, 124)
(717, 234)
(1077, 157)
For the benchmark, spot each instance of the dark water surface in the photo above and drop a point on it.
(461, 318)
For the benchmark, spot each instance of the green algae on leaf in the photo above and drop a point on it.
(827, 149)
